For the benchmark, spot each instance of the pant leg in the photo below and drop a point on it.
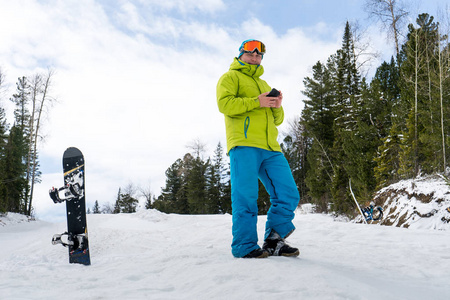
(277, 178)
(244, 166)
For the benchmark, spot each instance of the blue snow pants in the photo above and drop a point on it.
(247, 164)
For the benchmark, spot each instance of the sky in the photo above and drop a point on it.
(134, 81)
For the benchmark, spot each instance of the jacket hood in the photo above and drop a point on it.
(248, 69)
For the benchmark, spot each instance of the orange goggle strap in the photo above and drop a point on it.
(252, 46)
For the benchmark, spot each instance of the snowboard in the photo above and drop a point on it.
(76, 237)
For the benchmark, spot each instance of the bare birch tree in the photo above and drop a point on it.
(364, 54)
(391, 13)
(443, 76)
(198, 147)
(41, 102)
(146, 193)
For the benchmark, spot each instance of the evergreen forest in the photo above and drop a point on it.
(19, 155)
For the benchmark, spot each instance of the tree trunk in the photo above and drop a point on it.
(42, 105)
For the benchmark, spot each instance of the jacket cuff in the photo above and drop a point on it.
(256, 101)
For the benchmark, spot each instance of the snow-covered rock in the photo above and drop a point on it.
(416, 203)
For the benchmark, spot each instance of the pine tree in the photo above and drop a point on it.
(14, 182)
(348, 111)
(96, 208)
(215, 182)
(117, 203)
(387, 159)
(195, 171)
(317, 115)
(385, 92)
(317, 120)
(3, 143)
(18, 145)
(148, 203)
(421, 135)
(128, 203)
(171, 199)
(346, 81)
(226, 196)
(295, 147)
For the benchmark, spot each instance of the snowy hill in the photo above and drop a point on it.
(150, 255)
(416, 203)
(13, 218)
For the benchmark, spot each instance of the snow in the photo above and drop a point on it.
(419, 203)
(12, 218)
(151, 255)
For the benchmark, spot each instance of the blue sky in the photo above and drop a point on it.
(135, 80)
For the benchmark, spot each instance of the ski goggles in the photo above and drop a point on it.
(252, 46)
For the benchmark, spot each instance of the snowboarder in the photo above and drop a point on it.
(251, 120)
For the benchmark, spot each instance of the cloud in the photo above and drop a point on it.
(185, 6)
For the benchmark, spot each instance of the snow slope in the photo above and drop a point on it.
(419, 203)
(150, 255)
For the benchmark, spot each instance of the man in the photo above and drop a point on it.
(251, 120)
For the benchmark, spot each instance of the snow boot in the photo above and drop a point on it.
(276, 246)
(257, 253)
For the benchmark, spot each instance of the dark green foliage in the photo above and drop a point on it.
(218, 193)
(126, 202)
(19, 164)
(197, 186)
(3, 174)
(295, 149)
(13, 182)
(14, 187)
(263, 199)
(96, 209)
(172, 198)
(195, 182)
(317, 122)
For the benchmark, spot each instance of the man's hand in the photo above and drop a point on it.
(273, 102)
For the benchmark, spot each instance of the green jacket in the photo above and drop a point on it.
(247, 124)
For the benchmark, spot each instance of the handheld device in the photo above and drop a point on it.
(273, 93)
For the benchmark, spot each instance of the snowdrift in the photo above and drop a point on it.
(416, 203)
(13, 218)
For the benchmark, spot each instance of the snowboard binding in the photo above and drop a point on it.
(78, 242)
(72, 189)
(54, 194)
(372, 212)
